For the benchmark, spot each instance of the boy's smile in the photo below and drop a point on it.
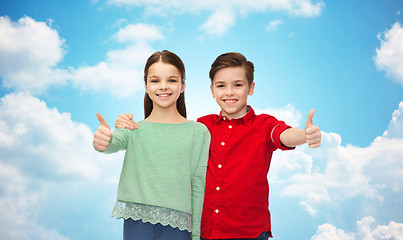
(230, 88)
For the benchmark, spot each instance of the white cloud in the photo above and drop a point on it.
(273, 25)
(333, 174)
(389, 57)
(43, 154)
(33, 137)
(17, 199)
(287, 114)
(121, 73)
(29, 53)
(392, 231)
(395, 128)
(138, 33)
(219, 22)
(329, 232)
(224, 13)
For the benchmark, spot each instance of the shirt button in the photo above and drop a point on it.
(224, 118)
(217, 211)
(223, 143)
(230, 126)
(219, 166)
(217, 188)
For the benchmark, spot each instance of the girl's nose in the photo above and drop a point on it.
(163, 86)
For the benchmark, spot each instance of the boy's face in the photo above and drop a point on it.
(230, 88)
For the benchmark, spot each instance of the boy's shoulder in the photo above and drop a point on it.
(265, 116)
(208, 118)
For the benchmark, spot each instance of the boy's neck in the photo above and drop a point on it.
(237, 115)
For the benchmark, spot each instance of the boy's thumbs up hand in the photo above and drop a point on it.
(102, 136)
(125, 120)
(312, 132)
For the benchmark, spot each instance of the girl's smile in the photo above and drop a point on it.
(164, 85)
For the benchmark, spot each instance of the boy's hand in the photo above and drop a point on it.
(125, 120)
(102, 136)
(312, 132)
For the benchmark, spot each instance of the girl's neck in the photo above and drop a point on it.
(165, 115)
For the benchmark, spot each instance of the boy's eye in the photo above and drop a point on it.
(219, 85)
(238, 85)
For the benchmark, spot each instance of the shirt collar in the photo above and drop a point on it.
(247, 118)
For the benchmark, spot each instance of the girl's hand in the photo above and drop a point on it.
(125, 120)
(312, 132)
(102, 136)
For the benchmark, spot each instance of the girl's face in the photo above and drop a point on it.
(164, 85)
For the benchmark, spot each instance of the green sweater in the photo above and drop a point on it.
(164, 165)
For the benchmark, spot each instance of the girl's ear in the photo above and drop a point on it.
(145, 87)
(183, 87)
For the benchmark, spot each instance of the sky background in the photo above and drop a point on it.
(61, 62)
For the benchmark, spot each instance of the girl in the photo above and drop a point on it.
(161, 187)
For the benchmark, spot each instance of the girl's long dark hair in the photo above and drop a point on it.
(169, 58)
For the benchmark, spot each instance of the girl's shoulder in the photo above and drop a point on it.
(199, 128)
(194, 125)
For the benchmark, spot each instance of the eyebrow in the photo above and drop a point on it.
(219, 82)
(223, 82)
(156, 76)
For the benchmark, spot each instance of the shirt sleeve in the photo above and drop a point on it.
(276, 128)
(199, 181)
(119, 140)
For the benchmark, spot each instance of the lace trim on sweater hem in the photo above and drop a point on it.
(153, 215)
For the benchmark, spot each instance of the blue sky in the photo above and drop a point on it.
(63, 61)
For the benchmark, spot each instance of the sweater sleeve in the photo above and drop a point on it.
(119, 140)
(199, 181)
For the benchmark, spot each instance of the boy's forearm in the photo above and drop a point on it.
(292, 137)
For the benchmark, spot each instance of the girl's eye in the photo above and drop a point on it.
(172, 80)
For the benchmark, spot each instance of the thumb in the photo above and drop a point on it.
(130, 115)
(309, 120)
(102, 121)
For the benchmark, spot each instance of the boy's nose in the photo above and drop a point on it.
(229, 91)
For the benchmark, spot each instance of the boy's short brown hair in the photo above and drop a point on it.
(232, 59)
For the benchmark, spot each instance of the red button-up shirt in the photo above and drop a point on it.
(237, 191)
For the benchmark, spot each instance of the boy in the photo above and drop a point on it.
(242, 144)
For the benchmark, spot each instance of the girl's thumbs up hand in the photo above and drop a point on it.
(312, 132)
(102, 136)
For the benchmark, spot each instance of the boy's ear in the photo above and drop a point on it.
(251, 88)
(212, 90)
